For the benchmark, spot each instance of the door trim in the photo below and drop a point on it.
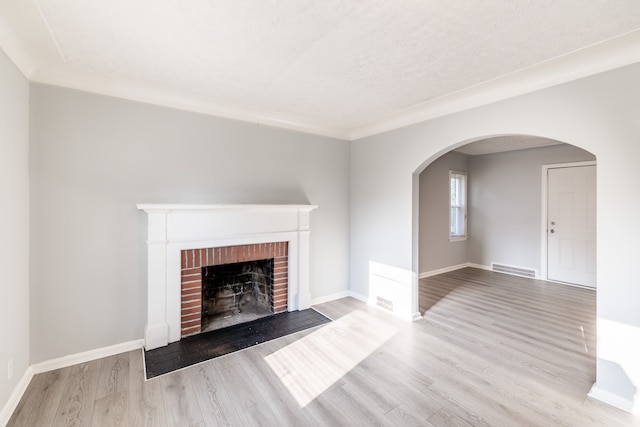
(543, 218)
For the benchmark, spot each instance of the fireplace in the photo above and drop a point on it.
(193, 237)
(228, 285)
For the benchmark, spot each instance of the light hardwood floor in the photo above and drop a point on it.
(492, 350)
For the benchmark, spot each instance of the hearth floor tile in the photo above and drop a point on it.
(199, 348)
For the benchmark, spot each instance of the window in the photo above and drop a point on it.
(458, 205)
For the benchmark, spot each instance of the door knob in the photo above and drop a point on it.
(552, 231)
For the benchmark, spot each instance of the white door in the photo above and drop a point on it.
(571, 225)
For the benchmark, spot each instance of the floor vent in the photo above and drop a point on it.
(516, 271)
(385, 303)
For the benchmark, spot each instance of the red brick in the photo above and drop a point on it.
(190, 331)
(191, 287)
(194, 258)
(190, 271)
(196, 284)
(197, 294)
(190, 323)
(191, 294)
(279, 300)
(190, 304)
(195, 278)
(193, 316)
(190, 310)
(185, 257)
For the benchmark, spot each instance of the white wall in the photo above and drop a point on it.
(600, 114)
(14, 225)
(95, 157)
(505, 202)
(436, 251)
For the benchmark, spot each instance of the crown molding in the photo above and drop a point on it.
(25, 37)
(118, 87)
(594, 59)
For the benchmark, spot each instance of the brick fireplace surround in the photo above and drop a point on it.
(180, 234)
(192, 261)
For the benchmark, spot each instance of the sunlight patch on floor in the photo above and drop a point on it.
(315, 362)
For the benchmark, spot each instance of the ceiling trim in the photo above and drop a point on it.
(604, 56)
(147, 93)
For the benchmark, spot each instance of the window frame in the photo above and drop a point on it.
(462, 177)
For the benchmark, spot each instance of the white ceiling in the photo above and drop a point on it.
(340, 68)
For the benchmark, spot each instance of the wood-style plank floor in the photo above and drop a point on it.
(492, 350)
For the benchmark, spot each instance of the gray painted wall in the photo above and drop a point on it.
(506, 204)
(600, 114)
(94, 158)
(436, 251)
(14, 225)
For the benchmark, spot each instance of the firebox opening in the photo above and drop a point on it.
(236, 293)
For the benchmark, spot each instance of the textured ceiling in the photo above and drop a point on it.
(339, 64)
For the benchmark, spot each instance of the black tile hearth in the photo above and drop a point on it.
(199, 348)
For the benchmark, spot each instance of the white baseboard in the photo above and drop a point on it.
(16, 395)
(613, 400)
(339, 295)
(359, 296)
(452, 268)
(86, 356)
(60, 362)
(332, 297)
(480, 266)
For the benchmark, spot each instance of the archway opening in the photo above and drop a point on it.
(505, 238)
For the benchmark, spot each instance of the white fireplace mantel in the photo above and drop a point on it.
(175, 227)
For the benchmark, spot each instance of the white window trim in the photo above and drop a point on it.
(465, 236)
